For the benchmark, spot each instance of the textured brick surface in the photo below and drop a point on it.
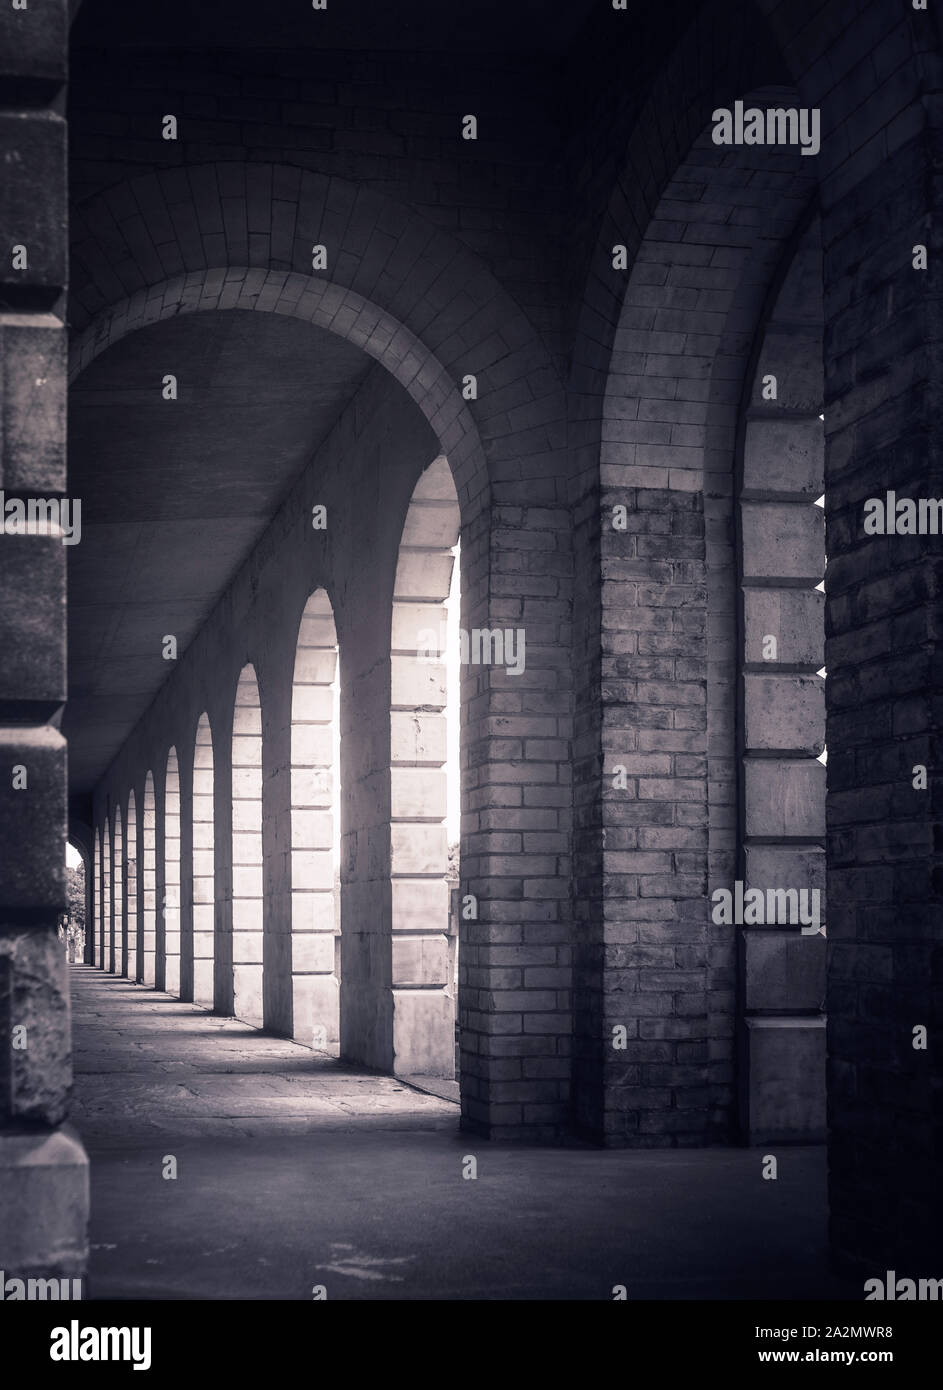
(645, 643)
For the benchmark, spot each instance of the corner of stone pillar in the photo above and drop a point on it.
(44, 1204)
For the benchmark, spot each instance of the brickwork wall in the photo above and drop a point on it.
(506, 271)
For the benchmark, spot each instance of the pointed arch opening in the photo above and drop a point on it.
(424, 649)
(247, 906)
(204, 867)
(315, 829)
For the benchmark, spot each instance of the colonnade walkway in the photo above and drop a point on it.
(295, 1171)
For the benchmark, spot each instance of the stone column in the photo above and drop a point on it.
(43, 1167)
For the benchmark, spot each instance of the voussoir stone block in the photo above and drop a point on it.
(784, 971)
(785, 712)
(783, 540)
(795, 617)
(785, 455)
(785, 798)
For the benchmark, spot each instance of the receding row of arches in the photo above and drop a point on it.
(226, 949)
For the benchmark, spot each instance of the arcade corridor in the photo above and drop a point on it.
(294, 1172)
(439, 603)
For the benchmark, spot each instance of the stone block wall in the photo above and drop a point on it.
(43, 1169)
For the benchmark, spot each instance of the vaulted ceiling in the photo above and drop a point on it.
(175, 494)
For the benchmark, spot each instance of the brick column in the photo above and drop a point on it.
(43, 1168)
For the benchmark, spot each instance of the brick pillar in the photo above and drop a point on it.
(516, 957)
(884, 423)
(43, 1168)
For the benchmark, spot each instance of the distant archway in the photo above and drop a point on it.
(204, 867)
(315, 803)
(168, 931)
(129, 940)
(147, 959)
(247, 897)
(97, 928)
(423, 996)
(117, 916)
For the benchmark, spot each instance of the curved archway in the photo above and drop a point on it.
(117, 895)
(665, 681)
(168, 929)
(106, 897)
(247, 896)
(129, 963)
(204, 867)
(405, 314)
(423, 997)
(148, 957)
(780, 824)
(96, 922)
(315, 829)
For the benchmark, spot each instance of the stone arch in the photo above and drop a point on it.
(423, 1004)
(781, 696)
(96, 922)
(315, 802)
(129, 963)
(698, 286)
(247, 894)
(117, 898)
(84, 838)
(168, 926)
(204, 868)
(105, 916)
(403, 290)
(730, 49)
(148, 957)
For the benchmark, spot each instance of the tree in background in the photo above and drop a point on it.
(75, 896)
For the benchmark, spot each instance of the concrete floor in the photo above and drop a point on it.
(295, 1171)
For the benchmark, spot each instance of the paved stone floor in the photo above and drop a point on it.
(294, 1170)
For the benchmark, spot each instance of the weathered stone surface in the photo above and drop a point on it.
(33, 395)
(784, 972)
(33, 199)
(44, 1204)
(32, 620)
(795, 617)
(32, 818)
(784, 1070)
(33, 41)
(783, 540)
(785, 713)
(784, 798)
(785, 456)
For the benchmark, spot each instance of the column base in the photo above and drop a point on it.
(44, 1204)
